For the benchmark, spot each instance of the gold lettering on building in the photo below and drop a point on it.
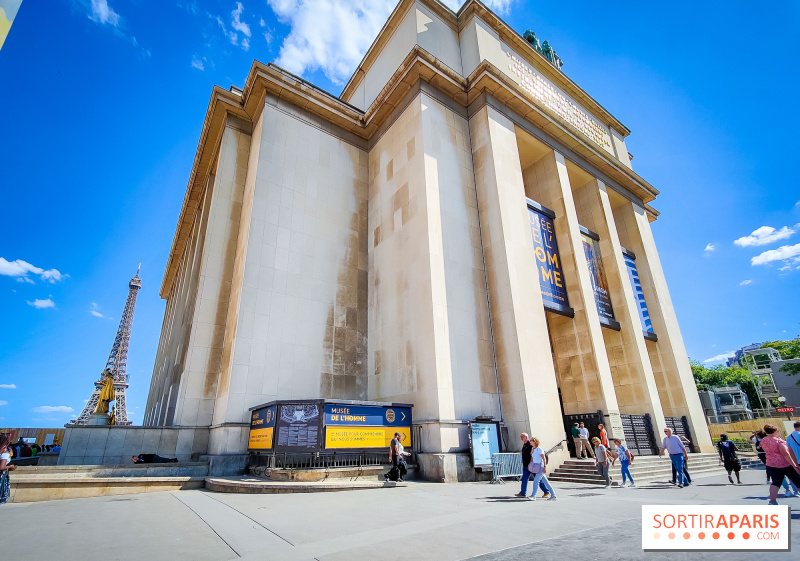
(542, 91)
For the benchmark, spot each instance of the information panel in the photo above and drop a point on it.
(298, 427)
(484, 441)
(548, 261)
(365, 426)
(638, 293)
(262, 426)
(591, 249)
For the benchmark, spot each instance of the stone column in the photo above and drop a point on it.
(528, 388)
(580, 353)
(668, 356)
(635, 383)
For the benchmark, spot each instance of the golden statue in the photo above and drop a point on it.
(112, 420)
(106, 394)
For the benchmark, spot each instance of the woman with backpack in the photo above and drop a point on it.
(625, 460)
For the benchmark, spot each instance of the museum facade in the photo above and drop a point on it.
(460, 230)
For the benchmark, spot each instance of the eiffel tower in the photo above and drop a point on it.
(117, 361)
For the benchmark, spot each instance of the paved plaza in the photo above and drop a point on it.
(421, 521)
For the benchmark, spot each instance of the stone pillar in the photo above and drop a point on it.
(527, 380)
(580, 353)
(668, 356)
(634, 381)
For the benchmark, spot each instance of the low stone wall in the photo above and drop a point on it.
(110, 446)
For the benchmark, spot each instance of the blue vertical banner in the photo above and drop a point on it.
(638, 294)
(548, 261)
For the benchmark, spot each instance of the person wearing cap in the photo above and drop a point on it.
(728, 457)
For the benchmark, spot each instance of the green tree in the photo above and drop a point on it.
(792, 369)
(720, 375)
(788, 349)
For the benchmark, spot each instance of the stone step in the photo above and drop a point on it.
(48, 488)
(597, 479)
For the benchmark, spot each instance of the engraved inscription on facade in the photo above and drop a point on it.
(542, 91)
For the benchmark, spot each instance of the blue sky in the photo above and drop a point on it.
(102, 102)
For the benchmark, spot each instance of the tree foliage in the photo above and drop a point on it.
(788, 349)
(721, 375)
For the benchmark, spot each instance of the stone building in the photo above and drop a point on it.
(398, 243)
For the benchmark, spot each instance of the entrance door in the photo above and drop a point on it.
(639, 435)
(680, 427)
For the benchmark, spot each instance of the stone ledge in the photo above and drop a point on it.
(39, 488)
(245, 484)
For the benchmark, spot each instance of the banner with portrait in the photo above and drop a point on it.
(602, 298)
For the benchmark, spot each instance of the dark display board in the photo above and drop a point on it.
(548, 261)
(591, 249)
(299, 427)
(262, 427)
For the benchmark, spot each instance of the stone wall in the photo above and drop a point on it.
(115, 445)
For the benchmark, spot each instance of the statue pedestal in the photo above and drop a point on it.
(97, 420)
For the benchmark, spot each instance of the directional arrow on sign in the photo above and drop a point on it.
(404, 416)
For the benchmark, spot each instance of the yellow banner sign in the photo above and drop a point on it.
(260, 439)
(365, 437)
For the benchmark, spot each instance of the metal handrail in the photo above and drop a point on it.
(557, 444)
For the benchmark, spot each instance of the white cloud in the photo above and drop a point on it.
(710, 247)
(719, 358)
(766, 235)
(3, 403)
(262, 23)
(102, 13)
(245, 45)
(236, 21)
(788, 253)
(745, 282)
(94, 310)
(21, 269)
(334, 35)
(8, 386)
(42, 304)
(197, 63)
(53, 409)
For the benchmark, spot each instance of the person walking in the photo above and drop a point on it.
(677, 454)
(5, 467)
(603, 435)
(602, 457)
(538, 467)
(625, 460)
(397, 458)
(584, 436)
(727, 455)
(527, 450)
(756, 439)
(780, 462)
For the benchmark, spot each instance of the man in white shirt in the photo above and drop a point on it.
(584, 436)
(677, 453)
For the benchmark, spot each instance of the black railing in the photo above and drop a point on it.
(286, 460)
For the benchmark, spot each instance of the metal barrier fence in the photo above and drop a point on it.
(506, 465)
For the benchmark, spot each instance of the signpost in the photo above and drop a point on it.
(787, 410)
(365, 426)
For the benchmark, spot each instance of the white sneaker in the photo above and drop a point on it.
(623, 485)
(632, 485)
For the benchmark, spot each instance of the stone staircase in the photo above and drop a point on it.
(643, 469)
